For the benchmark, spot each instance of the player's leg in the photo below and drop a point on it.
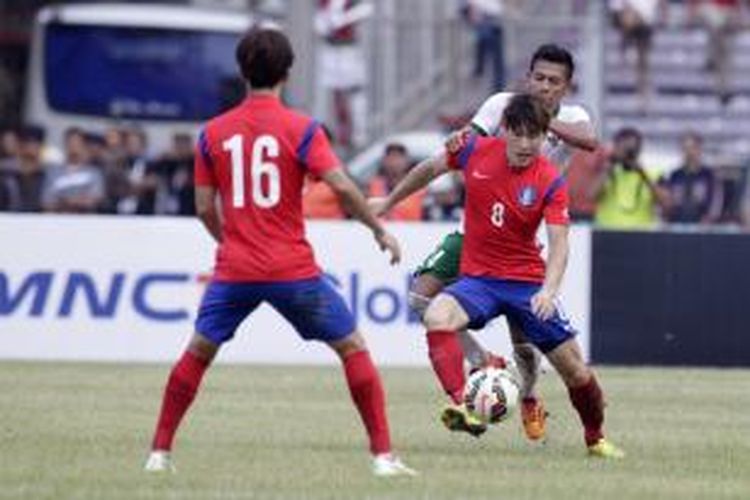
(444, 318)
(439, 269)
(319, 313)
(586, 396)
(528, 360)
(462, 303)
(555, 338)
(366, 390)
(218, 317)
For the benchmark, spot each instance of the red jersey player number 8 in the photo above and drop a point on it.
(498, 210)
(264, 146)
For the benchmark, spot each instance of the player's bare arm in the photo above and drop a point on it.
(578, 134)
(207, 211)
(354, 204)
(417, 178)
(543, 303)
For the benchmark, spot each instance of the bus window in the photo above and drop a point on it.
(140, 73)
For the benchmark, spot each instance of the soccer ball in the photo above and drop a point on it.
(491, 394)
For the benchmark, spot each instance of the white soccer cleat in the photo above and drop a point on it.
(388, 465)
(159, 461)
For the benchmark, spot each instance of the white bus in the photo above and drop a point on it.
(165, 68)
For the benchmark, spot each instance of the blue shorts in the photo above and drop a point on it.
(484, 299)
(312, 306)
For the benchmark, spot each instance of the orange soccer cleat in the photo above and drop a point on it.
(533, 416)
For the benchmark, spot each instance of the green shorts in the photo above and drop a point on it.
(445, 260)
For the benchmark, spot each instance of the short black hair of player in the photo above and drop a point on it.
(264, 56)
(526, 115)
(553, 53)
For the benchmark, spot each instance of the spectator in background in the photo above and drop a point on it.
(341, 66)
(635, 19)
(175, 170)
(8, 143)
(444, 200)
(98, 153)
(24, 175)
(485, 17)
(744, 201)
(76, 186)
(394, 166)
(692, 188)
(582, 171)
(318, 199)
(320, 202)
(140, 195)
(627, 195)
(112, 160)
(721, 18)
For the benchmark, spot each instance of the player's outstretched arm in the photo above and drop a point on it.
(417, 178)
(578, 134)
(354, 204)
(543, 303)
(207, 211)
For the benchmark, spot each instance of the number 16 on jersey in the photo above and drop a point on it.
(265, 148)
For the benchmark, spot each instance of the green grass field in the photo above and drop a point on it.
(82, 431)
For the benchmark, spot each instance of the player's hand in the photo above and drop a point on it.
(457, 141)
(543, 304)
(387, 242)
(377, 205)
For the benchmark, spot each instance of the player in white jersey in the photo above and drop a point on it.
(549, 79)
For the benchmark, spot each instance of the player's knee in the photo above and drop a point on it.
(580, 376)
(577, 374)
(349, 345)
(418, 303)
(437, 317)
(202, 348)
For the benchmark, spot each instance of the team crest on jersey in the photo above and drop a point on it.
(527, 196)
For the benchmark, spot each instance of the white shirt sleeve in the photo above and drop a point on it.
(574, 114)
(490, 113)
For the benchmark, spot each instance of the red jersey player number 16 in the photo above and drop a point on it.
(254, 158)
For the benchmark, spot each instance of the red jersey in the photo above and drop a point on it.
(504, 208)
(257, 155)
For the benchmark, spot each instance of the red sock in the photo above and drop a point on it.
(447, 361)
(367, 393)
(179, 393)
(589, 403)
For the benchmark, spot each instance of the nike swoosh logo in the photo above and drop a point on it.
(479, 175)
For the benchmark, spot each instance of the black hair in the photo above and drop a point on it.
(628, 133)
(525, 115)
(32, 133)
(553, 53)
(264, 56)
(396, 147)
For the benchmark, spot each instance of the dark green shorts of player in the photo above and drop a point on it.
(445, 260)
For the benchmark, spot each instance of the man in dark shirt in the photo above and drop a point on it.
(692, 188)
(22, 177)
